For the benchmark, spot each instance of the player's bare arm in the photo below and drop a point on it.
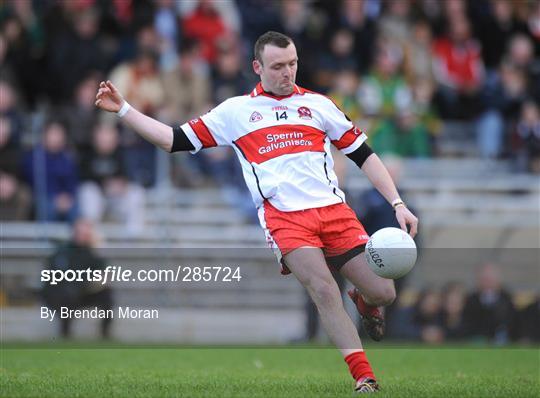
(109, 99)
(377, 174)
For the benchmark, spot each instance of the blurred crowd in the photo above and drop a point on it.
(489, 313)
(400, 69)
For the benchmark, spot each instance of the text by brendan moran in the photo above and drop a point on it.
(97, 313)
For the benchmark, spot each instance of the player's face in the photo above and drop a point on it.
(278, 69)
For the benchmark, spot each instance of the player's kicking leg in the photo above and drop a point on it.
(370, 294)
(309, 266)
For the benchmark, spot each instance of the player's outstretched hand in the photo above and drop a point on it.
(406, 218)
(108, 97)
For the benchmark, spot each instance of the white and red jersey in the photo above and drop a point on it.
(283, 144)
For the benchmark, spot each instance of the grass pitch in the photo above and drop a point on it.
(65, 371)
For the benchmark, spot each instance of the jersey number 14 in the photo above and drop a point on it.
(282, 116)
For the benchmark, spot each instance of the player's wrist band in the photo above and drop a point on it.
(397, 202)
(124, 109)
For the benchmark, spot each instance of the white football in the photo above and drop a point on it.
(391, 253)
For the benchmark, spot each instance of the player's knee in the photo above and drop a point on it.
(388, 295)
(385, 296)
(325, 293)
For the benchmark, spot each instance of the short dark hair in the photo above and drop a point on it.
(274, 38)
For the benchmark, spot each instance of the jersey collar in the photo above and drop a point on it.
(258, 90)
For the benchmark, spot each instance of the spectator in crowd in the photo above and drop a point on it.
(300, 21)
(206, 25)
(81, 48)
(502, 100)
(10, 111)
(495, 31)
(384, 92)
(295, 19)
(78, 254)
(7, 71)
(489, 312)
(511, 91)
(418, 56)
(428, 317)
(15, 198)
(228, 79)
(23, 38)
(51, 172)
(528, 132)
(531, 14)
(433, 12)
(521, 54)
(105, 192)
(340, 55)
(529, 322)
(81, 114)
(454, 10)
(459, 71)
(11, 128)
(140, 81)
(10, 149)
(395, 24)
(454, 296)
(257, 17)
(353, 17)
(521, 51)
(144, 39)
(187, 86)
(405, 120)
(168, 30)
(343, 93)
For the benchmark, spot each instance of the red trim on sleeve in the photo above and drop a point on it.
(348, 138)
(202, 132)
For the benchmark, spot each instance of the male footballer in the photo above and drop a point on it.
(282, 135)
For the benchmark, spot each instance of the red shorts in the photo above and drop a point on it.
(333, 228)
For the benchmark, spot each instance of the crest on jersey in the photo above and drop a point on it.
(304, 112)
(255, 117)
